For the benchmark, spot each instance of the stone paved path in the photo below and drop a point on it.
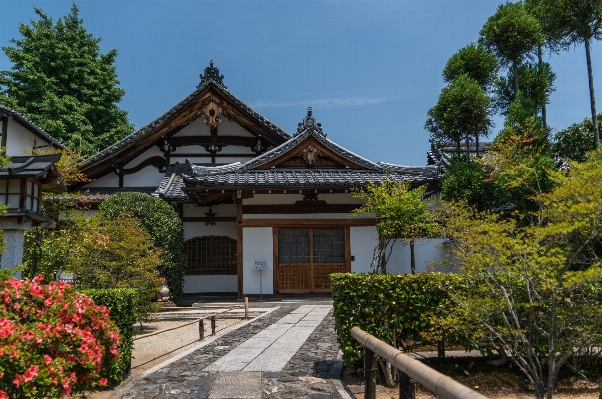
(291, 352)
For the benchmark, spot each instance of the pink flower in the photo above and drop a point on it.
(17, 381)
(30, 373)
(47, 360)
(3, 395)
(103, 382)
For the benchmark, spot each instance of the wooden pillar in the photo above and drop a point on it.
(239, 243)
(213, 325)
(201, 330)
(4, 121)
(370, 370)
(407, 386)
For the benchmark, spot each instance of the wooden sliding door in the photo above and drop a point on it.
(305, 257)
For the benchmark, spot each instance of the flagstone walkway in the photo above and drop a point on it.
(289, 352)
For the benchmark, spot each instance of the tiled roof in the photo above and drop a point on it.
(35, 129)
(35, 166)
(172, 183)
(147, 130)
(442, 153)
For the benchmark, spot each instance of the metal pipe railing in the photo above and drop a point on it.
(442, 385)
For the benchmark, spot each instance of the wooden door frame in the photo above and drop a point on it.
(347, 240)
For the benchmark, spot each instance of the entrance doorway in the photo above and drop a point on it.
(306, 257)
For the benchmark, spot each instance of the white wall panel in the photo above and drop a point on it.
(208, 284)
(147, 177)
(257, 245)
(198, 229)
(363, 240)
(20, 141)
(426, 252)
(199, 211)
(108, 180)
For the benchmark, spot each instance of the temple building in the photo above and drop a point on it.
(263, 210)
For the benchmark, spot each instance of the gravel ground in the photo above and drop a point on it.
(148, 352)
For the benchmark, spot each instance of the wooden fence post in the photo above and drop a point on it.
(213, 325)
(247, 308)
(370, 370)
(407, 386)
(201, 330)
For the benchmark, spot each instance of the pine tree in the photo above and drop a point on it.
(63, 83)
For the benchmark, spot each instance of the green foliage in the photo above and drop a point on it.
(117, 254)
(462, 111)
(475, 61)
(121, 303)
(162, 223)
(576, 141)
(465, 180)
(511, 33)
(536, 84)
(406, 303)
(64, 84)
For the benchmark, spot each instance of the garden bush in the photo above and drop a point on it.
(121, 303)
(379, 303)
(161, 221)
(53, 341)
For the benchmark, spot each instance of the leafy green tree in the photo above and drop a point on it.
(466, 181)
(578, 21)
(401, 212)
(161, 221)
(476, 62)
(574, 142)
(117, 254)
(462, 111)
(537, 84)
(512, 34)
(63, 83)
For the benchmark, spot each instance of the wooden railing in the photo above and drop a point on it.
(410, 370)
(201, 321)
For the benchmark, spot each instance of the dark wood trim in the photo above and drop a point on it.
(4, 121)
(240, 247)
(208, 155)
(22, 193)
(308, 222)
(202, 219)
(157, 161)
(183, 141)
(275, 259)
(298, 209)
(347, 249)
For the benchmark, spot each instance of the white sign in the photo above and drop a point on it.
(261, 264)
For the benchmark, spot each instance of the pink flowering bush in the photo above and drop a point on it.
(53, 341)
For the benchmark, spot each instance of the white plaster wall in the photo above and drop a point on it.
(147, 177)
(108, 180)
(225, 128)
(257, 245)
(151, 152)
(304, 216)
(198, 229)
(426, 252)
(20, 141)
(206, 284)
(363, 240)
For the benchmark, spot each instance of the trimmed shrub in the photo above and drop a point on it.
(121, 303)
(404, 302)
(53, 341)
(162, 222)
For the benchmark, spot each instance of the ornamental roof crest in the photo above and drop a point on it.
(309, 123)
(212, 75)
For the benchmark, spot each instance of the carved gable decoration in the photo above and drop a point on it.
(310, 154)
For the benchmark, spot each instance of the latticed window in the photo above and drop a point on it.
(211, 255)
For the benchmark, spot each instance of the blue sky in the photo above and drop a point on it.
(370, 69)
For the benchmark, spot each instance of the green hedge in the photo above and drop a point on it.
(401, 301)
(121, 303)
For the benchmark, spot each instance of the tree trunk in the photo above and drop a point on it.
(412, 257)
(515, 70)
(591, 94)
(543, 104)
(552, 350)
(477, 143)
(467, 144)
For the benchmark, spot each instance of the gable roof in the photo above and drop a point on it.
(35, 166)
(441, 153)
(137, 142)
(254, 174)
(29, 125)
